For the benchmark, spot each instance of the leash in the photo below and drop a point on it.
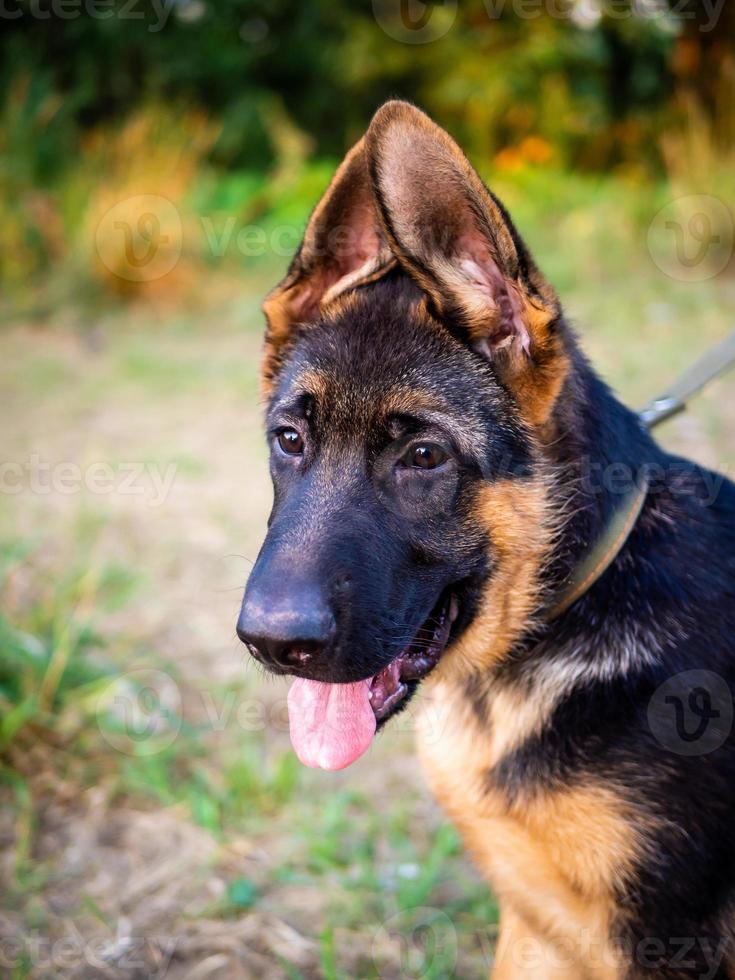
(717, 360)
(606, 549)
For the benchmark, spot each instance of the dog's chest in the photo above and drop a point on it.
(558, 845)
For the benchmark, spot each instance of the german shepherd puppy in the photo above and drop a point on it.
(444, 459)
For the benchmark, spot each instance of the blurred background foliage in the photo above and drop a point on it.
(244, 105)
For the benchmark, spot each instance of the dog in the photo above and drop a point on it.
(461, 504)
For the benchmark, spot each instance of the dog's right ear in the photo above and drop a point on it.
(457, 241)
(343, 247)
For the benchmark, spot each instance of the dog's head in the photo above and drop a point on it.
(413, 358)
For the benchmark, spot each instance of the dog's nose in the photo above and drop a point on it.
(287, 630)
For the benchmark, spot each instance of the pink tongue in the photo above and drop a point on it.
(331, 724)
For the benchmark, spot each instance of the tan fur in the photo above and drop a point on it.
(522, 955)
(518, 522)
(553, 858)
(537, 383)
(515, 717)
(373, 269)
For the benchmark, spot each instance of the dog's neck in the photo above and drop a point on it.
(598, 454)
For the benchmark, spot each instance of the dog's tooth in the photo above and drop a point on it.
(453, 608)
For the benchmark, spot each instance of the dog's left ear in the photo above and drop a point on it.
(455, 238)
(343, 247)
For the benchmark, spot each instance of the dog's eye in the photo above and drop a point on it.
(426, 457)
(290, 442)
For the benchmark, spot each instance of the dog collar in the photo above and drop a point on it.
(603, 553)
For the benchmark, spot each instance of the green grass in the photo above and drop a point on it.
(50, 667)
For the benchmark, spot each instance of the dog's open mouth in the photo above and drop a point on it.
(333, 724)
(390, 687)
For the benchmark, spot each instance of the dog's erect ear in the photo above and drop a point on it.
(457, 241)
(343, 247)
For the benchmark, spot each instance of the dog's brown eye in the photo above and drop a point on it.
(291, 442)
(427, 457)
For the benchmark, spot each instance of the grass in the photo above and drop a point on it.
(148, 795)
